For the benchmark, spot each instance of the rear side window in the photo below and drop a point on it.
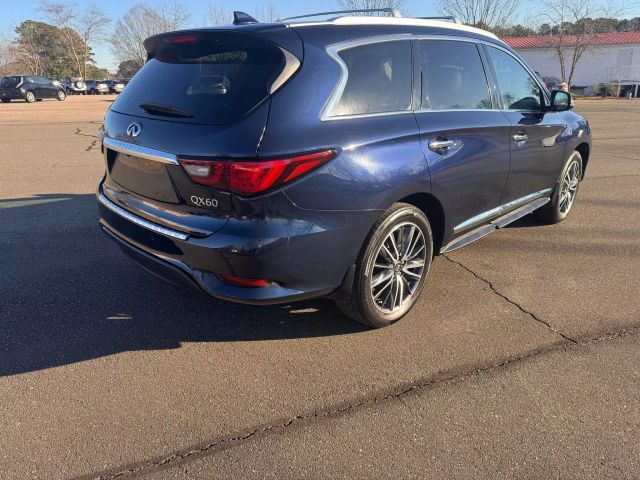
(210, 79)
(10, 82)
(452, 76)
(518, 88)
(378, 80)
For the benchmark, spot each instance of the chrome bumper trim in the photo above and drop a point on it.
(141, 222)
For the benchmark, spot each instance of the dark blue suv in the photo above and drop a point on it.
(267, 163)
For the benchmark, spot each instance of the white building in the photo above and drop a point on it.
(614, 60)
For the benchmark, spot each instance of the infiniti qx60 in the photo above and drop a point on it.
(268, 163)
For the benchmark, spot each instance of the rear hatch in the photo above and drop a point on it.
(202, 94)
(9, 84)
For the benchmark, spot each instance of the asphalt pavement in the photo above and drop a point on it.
(519, 361)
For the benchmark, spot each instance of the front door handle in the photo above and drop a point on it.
(439, 145)
(520, 137)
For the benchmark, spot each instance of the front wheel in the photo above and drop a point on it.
(392, 267)
(5, 100)
(29, 97)
(565, 192)
(61, 95)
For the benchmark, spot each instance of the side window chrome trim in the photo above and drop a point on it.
(333, 51)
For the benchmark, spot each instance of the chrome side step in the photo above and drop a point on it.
(499, 222)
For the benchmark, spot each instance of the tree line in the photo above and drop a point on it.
(596, 25)
(62, 43)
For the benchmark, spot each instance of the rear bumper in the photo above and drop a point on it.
(301, 259)
(11, 94)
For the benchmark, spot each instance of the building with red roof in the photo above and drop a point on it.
(613, 60)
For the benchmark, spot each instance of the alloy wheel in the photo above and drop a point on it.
(398, 267)
(569, 187)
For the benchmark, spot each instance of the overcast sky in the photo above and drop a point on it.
(27, 9)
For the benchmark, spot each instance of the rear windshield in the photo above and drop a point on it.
(212, 78)
(9, 82)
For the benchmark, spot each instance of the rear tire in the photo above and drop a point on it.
(5, 100)
(29, 97)
(565, 192)
(392, 267)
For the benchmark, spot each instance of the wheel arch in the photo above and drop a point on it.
(432, 208)
(584, 149)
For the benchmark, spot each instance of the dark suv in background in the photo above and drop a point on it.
(267, 163)
(29, 88)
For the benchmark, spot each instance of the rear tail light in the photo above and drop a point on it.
(249, 178)
(245, 282)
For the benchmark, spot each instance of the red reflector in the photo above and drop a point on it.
(184, 39)
(249, 178)
(245, 282)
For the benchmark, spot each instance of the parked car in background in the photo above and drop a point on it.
(552, 83)
(115, 86)
(97, 87)
(74, 85)
(29, 88)
(236, 168)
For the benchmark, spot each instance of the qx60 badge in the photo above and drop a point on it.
(134, 130)
(204, 202)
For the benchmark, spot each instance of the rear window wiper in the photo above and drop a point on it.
(163, 110)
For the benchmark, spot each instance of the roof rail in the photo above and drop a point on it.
(393, 12)
(450, 18)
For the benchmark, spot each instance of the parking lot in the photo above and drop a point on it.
(521, 359)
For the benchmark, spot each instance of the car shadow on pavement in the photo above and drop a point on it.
(68, 294)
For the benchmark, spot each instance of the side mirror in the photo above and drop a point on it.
(561, 101)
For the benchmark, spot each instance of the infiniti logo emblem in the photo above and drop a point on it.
(134, 130)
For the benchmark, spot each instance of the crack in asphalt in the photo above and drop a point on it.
(398, 393)
(512, 302)
(418, 386)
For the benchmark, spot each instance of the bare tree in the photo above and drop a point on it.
(6, 55)
(487, 14)
(62, 15)
(78, 29)
(170, 14)
(142, 21)
(573, 31)
(24, 58)
(217, 15)
(267, 12)
(372, 4)
(91, 27)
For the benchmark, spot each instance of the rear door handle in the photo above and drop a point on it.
(440, 144)
(520, 137)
